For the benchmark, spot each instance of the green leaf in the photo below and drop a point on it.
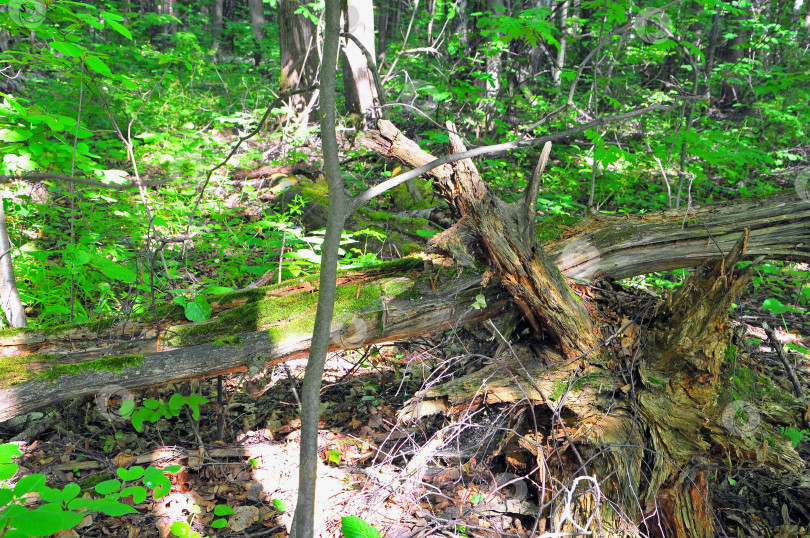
(68, 49)
(280, 506)
(158, 482)
(198, 310)
(44, 522)
(49, 495)
(7, 470)
(774, 306)
(8, 452)
(138, 493)
(112, 20)
(215, 290)
(176, 401)
(14, 135)
(27, 484)
(181, 528)
(70, 492)
(98, 66)
(111, 507)
(133, 473)
(223, 510)
(108, 486)
(137, 419)
(354, 527)
(127, 407)
(219, 523)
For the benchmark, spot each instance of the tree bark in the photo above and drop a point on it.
(10, 302)
(256, 10)
(217, 23)
(359, 88)
(299, 54)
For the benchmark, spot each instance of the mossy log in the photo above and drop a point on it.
(254, 328)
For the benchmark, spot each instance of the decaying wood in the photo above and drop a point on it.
(647, 409)
(629, 245)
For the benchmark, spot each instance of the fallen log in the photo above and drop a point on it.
(404, 299)
(617, 247)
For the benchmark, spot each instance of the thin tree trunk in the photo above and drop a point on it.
(9, 296)
(560, 61)
(217, 24)
(304, 520)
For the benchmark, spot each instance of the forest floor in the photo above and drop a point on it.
(400, 477)
(365, 454)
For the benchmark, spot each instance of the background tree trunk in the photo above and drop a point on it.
(360, 91)
(256, 8)
(9, 296)
(299, 55)
(217, 24)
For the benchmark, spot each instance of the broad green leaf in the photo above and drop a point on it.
(127, 407)
(774, 306)
(215, 290)
(133, 473)
(354, 527)
(113, 20)
(27, 484)
(198, 309)
(108, 486)
(223, 510)
(70, 492)
(68, 49)
(111, 507)
(14, 135)
(177, 401)
(8, 452)
(49, 495)
(98, 66)
(43, 522)
(180, 528)
(138, 493)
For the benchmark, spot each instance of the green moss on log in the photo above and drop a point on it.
(111, 364)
